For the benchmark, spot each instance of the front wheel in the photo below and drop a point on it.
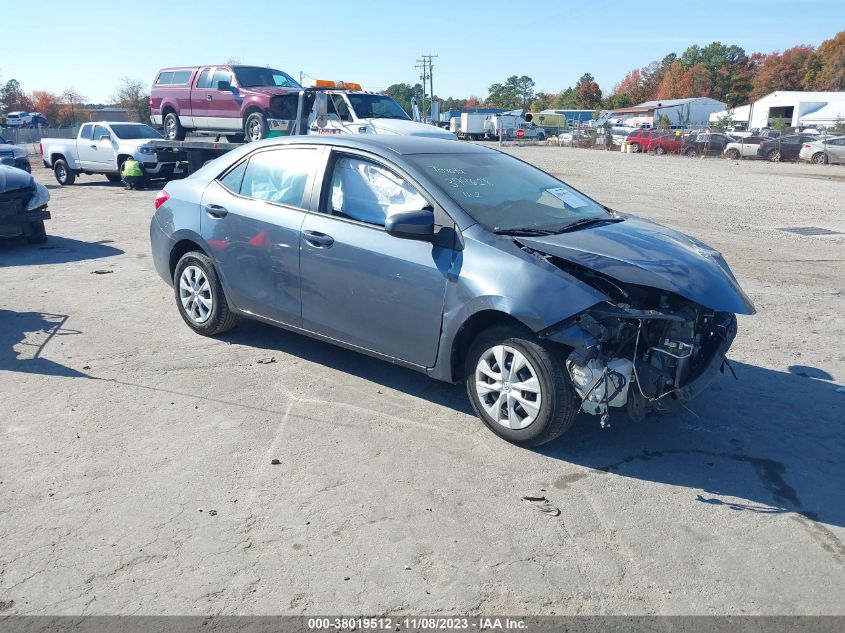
(659, 150)
(774, 156)
(199, 296)
(255, 126)
(733, 154)
(820, 158)
(519, 386)
(64, 176)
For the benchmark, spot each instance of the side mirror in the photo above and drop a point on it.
(104, 137)
(321, 106)
(224, 86)
(411, 225)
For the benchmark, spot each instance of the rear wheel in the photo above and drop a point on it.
(635, 148)
(199, 296)
(64, 176)
(519, 386)
(255, 126)
(173, 130)
(819, 158)
(235, 138)
(38, 234)
(691, 152)
(659, 150)
(733, 153)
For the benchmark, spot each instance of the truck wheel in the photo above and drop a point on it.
(64, 176)
(235, 138)
(255, 126)
(519, 387)
(173, 130)
(38, 233)
(113, 177)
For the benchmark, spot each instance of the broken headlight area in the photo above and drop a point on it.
(647, 349)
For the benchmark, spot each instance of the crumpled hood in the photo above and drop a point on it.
(12, 178)
(640, 252)
(408, 128)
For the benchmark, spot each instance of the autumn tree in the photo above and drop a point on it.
(831, 71)
(47, 103)
(672, 85)
(70, 110)
(782, 71)
(587, 92)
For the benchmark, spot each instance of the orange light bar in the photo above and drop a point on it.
(343, 85)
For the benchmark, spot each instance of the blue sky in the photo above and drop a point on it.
(90, 45)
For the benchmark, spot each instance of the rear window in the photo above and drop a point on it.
(173, 77)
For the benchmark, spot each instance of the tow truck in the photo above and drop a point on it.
(326, 107)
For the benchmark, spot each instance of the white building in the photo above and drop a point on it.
(798, 108)
(690, 112)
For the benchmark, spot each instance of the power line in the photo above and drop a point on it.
(427, 75)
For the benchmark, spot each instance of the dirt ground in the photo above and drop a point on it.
(136, 472)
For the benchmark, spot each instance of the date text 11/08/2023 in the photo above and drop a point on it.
(416, 623)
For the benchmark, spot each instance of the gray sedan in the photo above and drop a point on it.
(455, 260)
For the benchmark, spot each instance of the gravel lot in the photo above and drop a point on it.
(136, 473)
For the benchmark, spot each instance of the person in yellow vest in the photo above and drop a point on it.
(132, 174)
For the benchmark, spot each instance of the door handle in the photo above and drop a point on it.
(215, 210)
(208, 97)
(93, 146)
(315, 238)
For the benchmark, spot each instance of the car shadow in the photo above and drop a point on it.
(57, 250)
(23, 337)
(769, 442)
(267, 337)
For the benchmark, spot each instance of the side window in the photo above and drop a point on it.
(87, 132)
(232, 180)
(279, 175)
(337, 105)
(181, 77)
(99, 130)
(364, 191)
(203, 81)
(220, 75)
(165, 78)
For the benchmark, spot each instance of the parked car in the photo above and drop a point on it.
(13, 156)
(23, 205)
(706, 144)
(642, 140)
(784, 147)
(821, 152)
(455, 260)
(101, 148)
(667, 144)
(18, 119)
(744, 147)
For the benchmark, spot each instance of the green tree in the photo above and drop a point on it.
(403, 93)
(838, 125)
(663, 122)
(780, 124)
(13, 98)
(515, 92)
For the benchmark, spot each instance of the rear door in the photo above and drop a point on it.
(361, 285)
(836, 150)
(251, 219)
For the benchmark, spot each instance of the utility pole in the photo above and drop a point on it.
(426, 66)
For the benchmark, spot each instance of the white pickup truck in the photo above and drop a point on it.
(101, 148)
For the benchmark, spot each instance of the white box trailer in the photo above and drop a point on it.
(472, 125)
(455, 125)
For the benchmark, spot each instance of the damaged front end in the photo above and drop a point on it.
(644, 349)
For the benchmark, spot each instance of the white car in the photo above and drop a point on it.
(829, 150)
(18, 119)
(743, 148)
(101, 148)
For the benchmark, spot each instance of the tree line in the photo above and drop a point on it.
(68, 108)
(723, 72)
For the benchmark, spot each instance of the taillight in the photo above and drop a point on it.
(151, 103)
(807, 145)
(41, 149)
(161, 197)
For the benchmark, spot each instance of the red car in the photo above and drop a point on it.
(642, 140)
(236, 101)
(668, 143)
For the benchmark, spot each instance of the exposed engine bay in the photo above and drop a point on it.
(646, 349)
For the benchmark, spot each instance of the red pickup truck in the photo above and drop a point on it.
(236, 101)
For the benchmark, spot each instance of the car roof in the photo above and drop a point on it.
(402, 145)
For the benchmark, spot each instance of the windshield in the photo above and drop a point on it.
(134, 131)
(369, 106)
(504, 194)
(255, 76)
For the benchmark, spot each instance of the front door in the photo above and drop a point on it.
(94, 154)
(361, 285)
(224, 107)
(251, 218)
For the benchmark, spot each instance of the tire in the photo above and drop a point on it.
(39, 233)
(64, 175)
(691, 152)
(173, 130)
(819, 158)
(733, 153)
(559, 403)
(113, 177)
(659, 150)
(774, 156)
(635, 148)
(255, 127)
(219, 318)
(235, 138)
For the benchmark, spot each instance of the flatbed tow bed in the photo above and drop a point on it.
(195, 153)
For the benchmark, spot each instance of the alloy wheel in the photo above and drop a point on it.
(508, 387)
(195, 294)
(170, 128)
(61, 172)
(820, 158)
(254, 130)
